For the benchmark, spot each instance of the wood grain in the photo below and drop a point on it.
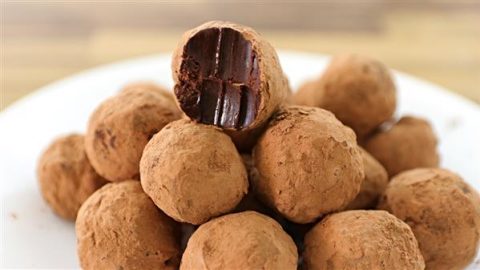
(46, 41)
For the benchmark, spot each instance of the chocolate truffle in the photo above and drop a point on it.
(308, 164)
(227, 75)
(375, 182)
(193, 172)
(121, 126)
(408, 144)
(246, 240)
(66, 177)
(119, 227)
(358, 90)
(362, 240)
(443, 212)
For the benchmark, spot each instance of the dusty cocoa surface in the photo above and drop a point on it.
(408, 144)
(65, 175)
(246, 240)
(227, 75)
(308, 164)
(373, 185)
(362, 240)
(193, 172)
(443, 212)
(358, 90)
(119, 227)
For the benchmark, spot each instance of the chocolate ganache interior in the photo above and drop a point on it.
(219, 79)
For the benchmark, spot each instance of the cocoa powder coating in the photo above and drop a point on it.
(121, 126)
(66, 177)
(193, 172)
(308, 164)
(362, 240)
(246, 240)
(375, 182)
(119, 227)
(443, 212)
(408, 144)
(358, 90)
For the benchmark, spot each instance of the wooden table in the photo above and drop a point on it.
(46, 41)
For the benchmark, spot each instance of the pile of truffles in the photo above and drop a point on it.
(234, 171)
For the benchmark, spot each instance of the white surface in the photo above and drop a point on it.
(33, 237)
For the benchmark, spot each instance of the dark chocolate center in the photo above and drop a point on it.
(219, 79)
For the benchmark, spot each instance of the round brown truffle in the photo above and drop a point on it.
(246, 240)
(408, 144)
(362, 240)
(193, 172)
(308, 164)
(119, 227)
(227, 75)
(66, 177)
(121, 126)
(358, 90)
(375, 182)
(443, 212)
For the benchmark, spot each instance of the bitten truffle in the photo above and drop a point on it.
(308, 164)
(246, 240)
(408, 144)
(358, 90)
(375, 182)
(193, 172)
(121, 126)
(119, 227)
(227, 75)
(66, 177)
(362, 240)
(443, 212)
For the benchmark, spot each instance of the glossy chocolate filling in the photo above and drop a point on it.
(219, 79)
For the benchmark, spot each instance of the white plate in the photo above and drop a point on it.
(33, 237)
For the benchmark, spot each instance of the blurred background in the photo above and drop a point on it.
(43, 41)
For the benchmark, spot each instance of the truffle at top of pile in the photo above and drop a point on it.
(229, 76)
